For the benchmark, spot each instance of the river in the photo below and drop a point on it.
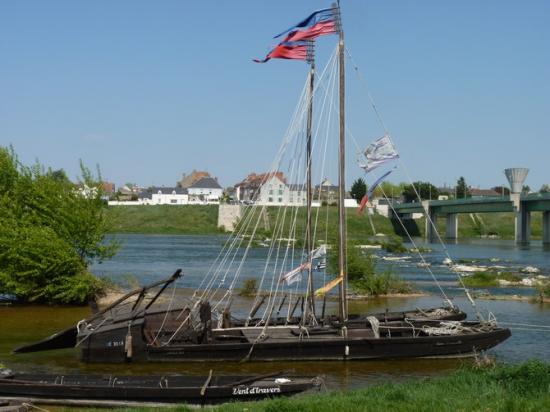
(146, 258)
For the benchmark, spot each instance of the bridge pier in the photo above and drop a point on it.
(546, 228)
(522, 220)
(431, 221)
(452, 226)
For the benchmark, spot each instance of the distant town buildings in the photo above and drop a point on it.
(190, 179)
(270, 189)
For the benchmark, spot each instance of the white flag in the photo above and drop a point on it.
(295, 275)
(377, 153)
(320, 252)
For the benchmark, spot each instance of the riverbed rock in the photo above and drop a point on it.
(468, 269)
(530, 269)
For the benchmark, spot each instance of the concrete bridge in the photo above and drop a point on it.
(521, 205)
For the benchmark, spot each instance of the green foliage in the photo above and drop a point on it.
(481, 279)
(51, 232)
(489, 279)
(543, 289)
(425, 190)
(249, 287)
(462, 190)
(523, 387)
(358, 189)
(362, 276)
(394, 245)
(509, 276)
(545, 188)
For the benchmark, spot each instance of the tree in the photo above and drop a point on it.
(358, 189)
(425, 189)
(461, 189)
(545, 189)
(526, 189)
(52, 232)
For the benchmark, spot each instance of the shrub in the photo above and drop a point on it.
(249, 287)
(51, 232)
(481, 279)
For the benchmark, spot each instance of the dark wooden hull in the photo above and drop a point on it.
(68, 337)
(189, 389)
(108, 346)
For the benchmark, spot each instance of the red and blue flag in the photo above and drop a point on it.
(297, 44)
(312, 20)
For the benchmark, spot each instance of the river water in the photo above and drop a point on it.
(146, 258)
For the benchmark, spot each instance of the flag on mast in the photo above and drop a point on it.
(288, 50)
(315, 18)
(379, 152)
(295, 275)
(371, 190)
(298, 44)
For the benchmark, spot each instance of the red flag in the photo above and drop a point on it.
(320, 29)
(362, 205)
(286, 51)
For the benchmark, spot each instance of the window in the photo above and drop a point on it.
(270, 200)
(280, 200)
(173, 201)
(280, 192)
(271, 192)
(291, 199)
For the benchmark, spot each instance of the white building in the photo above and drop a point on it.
(205, 190)
(164, 196)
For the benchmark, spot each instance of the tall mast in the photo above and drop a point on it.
(309, 190)
(343, 309)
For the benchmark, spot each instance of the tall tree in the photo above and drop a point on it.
(545, 189)
(358, 189)
(425, 189)
(52, 230)
(462, 190)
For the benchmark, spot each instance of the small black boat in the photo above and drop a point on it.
(161, 389)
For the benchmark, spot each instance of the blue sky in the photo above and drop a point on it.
(149, 90)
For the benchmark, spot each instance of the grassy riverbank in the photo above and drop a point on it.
(524, 387)
(195, 219)
(165, 219)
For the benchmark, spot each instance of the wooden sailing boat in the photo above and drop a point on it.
(134, 329)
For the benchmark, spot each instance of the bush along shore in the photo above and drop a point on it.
(524, 387)
(52, 230)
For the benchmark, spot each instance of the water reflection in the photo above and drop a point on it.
(149, 258)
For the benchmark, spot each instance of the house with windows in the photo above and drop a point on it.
(164, 196)
(270, 189)
(205, 190)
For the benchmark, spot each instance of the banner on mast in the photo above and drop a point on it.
(295, 275)
(288, 50)
(379, 152)
(371, 190)
(298, 43)
(312, 20)
(329, 286)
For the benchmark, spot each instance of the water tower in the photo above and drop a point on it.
(516, 176)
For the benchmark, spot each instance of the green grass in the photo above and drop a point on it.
(524, 387)
(198, 219)
(488, 279)
(165, 219)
